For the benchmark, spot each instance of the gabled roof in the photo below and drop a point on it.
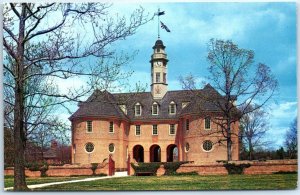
(105, 104)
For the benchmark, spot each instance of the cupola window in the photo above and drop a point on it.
(157, 77)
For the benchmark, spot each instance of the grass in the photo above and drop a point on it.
(9, 180)
(191, 182)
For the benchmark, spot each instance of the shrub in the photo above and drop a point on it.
(33, 166)
(236, 169)
(43, 169)
(94, 167)
(146, 167)
(171, 167)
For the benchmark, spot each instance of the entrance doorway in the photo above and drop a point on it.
(172, 153)
(155, 153)
(138, 153)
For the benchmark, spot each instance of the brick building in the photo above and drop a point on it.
(154, 126)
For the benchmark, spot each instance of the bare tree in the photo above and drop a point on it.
(291, 142)
(234, 76)
(253, 127)
(58, 42)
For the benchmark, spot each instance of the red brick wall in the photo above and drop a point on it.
(125, 140)
(63, 171)
(267, 167)
(213, 169)
(197, 134)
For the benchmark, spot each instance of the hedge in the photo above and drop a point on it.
(152, 167)
(233, 168)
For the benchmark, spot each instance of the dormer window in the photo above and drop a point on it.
(123, 108)
(184, 104)
(154, 108)
(138, 109)
(172, 108)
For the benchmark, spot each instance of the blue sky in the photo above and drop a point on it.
(269, 29)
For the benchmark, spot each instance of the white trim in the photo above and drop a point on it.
(135, 113)
(140, 130)
(157, 108)
(209, 123)
(172, 103)
(112, 126)
(170, 129)
(114, 148)
(85, 147)
(211, 147)
(185, 147)
(156, 129)
(86, 126)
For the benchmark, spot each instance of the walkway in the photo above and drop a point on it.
(117, 174)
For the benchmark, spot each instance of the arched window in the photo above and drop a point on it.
(207, 123)
(154, 108)
(172, 108)
(138, 109)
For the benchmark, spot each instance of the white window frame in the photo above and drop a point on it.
(174, 129)
(85, 147)
(185, 149)
(114, 148)
(87, 126)
(113, 127)
(135, 110)
(170, 105)
(156, 104)
(140, 130)
(156, 129)
(209, 123)
(211, 147)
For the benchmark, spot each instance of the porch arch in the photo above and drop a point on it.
(138, 153)
(155, 153)
(172, 153)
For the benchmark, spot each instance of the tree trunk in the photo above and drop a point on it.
(250, 150)
(229, 144)
(19, 134)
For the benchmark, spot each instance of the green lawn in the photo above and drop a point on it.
(9, 180)
(193, 182)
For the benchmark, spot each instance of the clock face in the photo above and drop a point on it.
(158, 64)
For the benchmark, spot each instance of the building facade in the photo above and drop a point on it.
(156, 126)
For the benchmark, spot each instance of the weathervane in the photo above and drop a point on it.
(162, 25)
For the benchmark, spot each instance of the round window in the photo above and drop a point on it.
(207, 145)
(89, 147)
(111, 148)
(187, 147)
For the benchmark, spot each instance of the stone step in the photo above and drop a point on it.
(121, 173)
